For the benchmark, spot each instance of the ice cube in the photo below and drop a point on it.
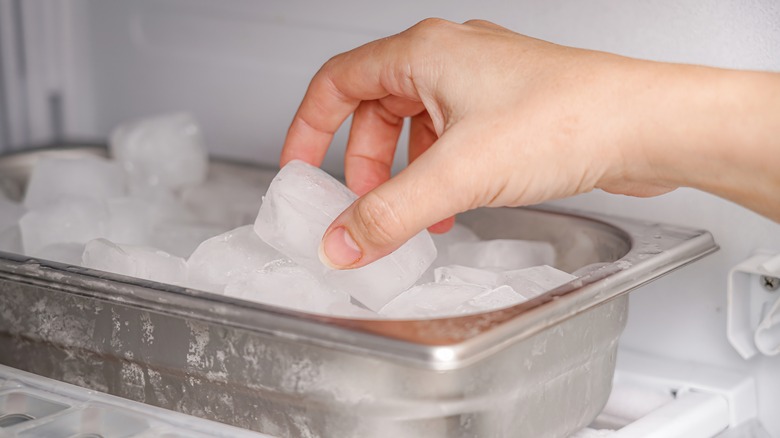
(432, 300)
(10, 188)
(222, 258)
(71, 220)
(224, 201)
(286, 284)
(501, 254)
(181, 239)
(130, 221)
(299, 206)
(11, 240)
(10, 213)
(134, 261)
(68, 253)
(166, 150)
(351, 310)
(493, 299)
(88, 177)
(466, 275)
(537, 280)
(458, 234)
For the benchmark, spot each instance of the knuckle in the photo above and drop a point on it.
(376, 222)
(477, 22)
(430, 26)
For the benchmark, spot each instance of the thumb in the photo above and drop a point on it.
(423, 194)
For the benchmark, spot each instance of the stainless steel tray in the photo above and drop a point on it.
(541, 368)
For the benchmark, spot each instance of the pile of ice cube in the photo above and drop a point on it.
(154, 211)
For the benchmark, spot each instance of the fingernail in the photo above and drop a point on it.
(339, 250)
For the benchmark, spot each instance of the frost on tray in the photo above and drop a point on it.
(301, 203)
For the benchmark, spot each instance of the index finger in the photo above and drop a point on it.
(333, 94)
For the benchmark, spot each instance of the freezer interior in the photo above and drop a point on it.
(73, 70)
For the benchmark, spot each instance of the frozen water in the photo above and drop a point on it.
(374, 285)
(285, 284)
(501, 254)
(223, 258)
(130, 220)
(593, 433)
(458, 234)
(68, 253)
(10, 213)
(9, 189)
(89, 177)
(71, 220)
(11, 240)
(498, 298)
(181, 239)
(301, 203)
(431, 300)
(227, 202)
(534, 281)
(351, 310)
(134, 261)
(167, 150)
(465, 275)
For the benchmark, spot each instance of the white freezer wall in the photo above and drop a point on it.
(242, 66)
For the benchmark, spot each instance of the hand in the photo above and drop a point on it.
(500, 119)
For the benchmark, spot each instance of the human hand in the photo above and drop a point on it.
(497, 119)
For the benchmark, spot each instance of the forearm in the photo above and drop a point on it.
(715, 130)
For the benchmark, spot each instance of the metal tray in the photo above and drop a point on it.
(541, 368)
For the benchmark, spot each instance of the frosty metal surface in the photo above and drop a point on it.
(541, 368)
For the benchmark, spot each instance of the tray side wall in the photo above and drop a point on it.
(550, 384)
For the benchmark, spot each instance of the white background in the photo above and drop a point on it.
(242, 66)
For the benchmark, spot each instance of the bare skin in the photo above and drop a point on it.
(500, 119)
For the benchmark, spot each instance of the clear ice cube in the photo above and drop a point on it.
(181, 239)
(223, 258)
(431, 300)
(130, 220)
(166, 150)
(493, 299)
(536, 280)
(71, 220)
(88, 177)
(228, 202)
(467, 275)
(68, 253)
(11, 240)
(351, 310)
(501, 254)
(134, 261)
(285, 284)
(10, 213)
(458, 234)
(301, 203)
